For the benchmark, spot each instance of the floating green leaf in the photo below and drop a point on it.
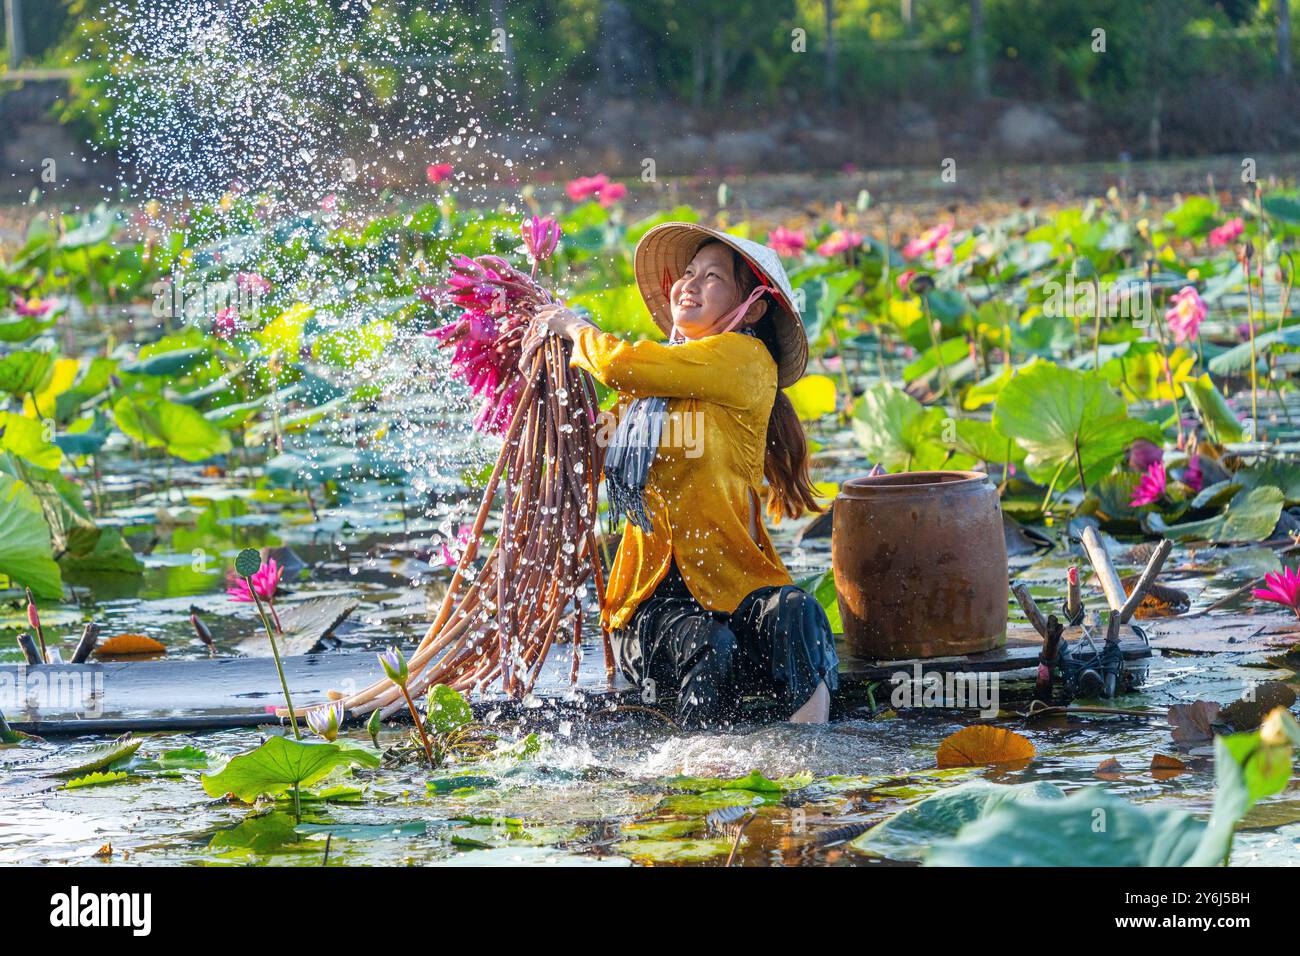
(280, 764)
(907, 834)
(1251, 515)
(1088, 828)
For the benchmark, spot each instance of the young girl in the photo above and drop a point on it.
(698, 603)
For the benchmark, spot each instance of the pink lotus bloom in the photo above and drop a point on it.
(33, 307)
(1142, 454)
(585, 187)
(541, 236)
(611, 193)
(904, 280)
(943, 255)
(841, 240)
(1282, 587)
(265, 581)
(252, 282)
(1192, 476)
(928, 241)
(330, 203)
(1151, 487)
(1230, 230)
(1185, 314)
(226, 323)
(438, 172)
(787, 242)
(451, 558)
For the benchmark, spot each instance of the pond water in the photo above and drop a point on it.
(597, 792)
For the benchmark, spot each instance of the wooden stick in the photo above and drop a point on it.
(85, 646)
(1031, 608)
(31, 652)
(1105, 569)
(1146, 580)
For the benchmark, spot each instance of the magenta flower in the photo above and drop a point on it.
(32, 308)
(943, 255)
(226, 323)
(265, 583)
(330, 203)
(586, 187)
(252, 282)
(541, 236)
(1282, 587)
(611, 193)
(487, 340)
(1150, 487)
(452, 558)
(841, 240)
(1192, 476)
(904, 280)
(928, 241)
(1142, 454)
(787, 242)
(1185, 314)
(438, 172)
(1230, 230)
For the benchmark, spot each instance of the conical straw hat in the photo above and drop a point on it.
(665, 251)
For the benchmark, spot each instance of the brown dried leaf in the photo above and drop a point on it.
(125, 645)
(1191, 723)
(1109, 769)
(982, 744)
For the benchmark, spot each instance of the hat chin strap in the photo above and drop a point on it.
(732, 319)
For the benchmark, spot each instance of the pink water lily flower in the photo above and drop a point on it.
(1192, 476)
(438, 172)
(611, 193)
(928, 241)
(265, 582)
(225, 324)
(943, 255)
(787, 242)
(1186, 312)
(1281, 587)
(904, 280)
(330, 203)
(1150, 487)
(252, 283)
(32, 308)
(541, 236)
(841, 240)
(586, 187)
(451, 558)
(1230, 230)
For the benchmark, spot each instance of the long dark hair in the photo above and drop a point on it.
(785, 464)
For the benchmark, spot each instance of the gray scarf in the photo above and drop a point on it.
(629, 456)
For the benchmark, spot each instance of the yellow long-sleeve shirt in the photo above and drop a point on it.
(720, 390)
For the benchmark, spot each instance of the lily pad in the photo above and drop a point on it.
(907, 834)
(280, 764)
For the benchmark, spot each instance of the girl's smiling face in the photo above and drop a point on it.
(707, 292)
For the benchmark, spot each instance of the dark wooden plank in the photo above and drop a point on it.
(205, 694)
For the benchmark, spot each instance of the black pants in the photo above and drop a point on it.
(777, 646)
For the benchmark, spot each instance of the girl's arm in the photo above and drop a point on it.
(714, 369)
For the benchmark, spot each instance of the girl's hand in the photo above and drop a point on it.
(561, 321)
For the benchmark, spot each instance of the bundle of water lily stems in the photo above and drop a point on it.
(527, 593)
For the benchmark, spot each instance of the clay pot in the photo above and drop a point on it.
(920, 565)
